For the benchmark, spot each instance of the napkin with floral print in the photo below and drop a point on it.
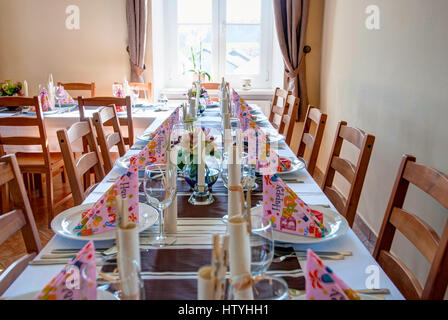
(69, 284)
(45, 100)
(323, 284)
(66, 98)
(287, 212)
(242, 111)
(102, 216)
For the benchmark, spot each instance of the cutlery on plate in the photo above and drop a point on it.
(48, 262)
(295, 292)
(282, 251)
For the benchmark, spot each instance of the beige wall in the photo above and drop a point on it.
(393, 84)
(35, 42)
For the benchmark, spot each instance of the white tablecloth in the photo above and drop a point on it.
(354, 270)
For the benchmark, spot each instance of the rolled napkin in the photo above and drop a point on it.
(240, 258)
(102, 217)
(235, 195)
(287, 212)
(206, 284)
(69, 284)
(323, 284)
(128, 257)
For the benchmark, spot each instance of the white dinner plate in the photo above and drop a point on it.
(336, 225)
(144, 136)
(296, 165)
(361, 296)
(101, 295)
(64, 222)
(125, 161)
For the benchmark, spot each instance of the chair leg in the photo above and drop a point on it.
(38, 184)
(50, 197)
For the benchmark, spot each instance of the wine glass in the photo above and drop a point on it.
(118, 286)
(59, 94)
(135, 93)
(242, 160)
(267, 288)
(261, 245)
(117, 90)
(160, 194)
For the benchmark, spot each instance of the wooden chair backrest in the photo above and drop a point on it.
(146, 88)
(417, 231)
(20, 219)
(76, 168)
(80, 87)
(277, 110)
(354, 174)
(109, 102)
(108, 116)
(310, 142)
(287, 124)
(16, 121)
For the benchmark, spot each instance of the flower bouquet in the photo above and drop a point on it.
(10, 89)
(187, 156)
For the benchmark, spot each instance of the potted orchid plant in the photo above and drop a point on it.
(198, 73)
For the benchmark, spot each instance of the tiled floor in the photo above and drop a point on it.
(12, 249)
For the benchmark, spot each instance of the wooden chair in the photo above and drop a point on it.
(354, 174)
(42, 163)
(109, 102)
(310, 141)
(417, 231)
(80, 87)
(146, 88)
(287, 122)
(211, 86)
(277, 110)
(19, 219)
(77, 168)
(108, 116)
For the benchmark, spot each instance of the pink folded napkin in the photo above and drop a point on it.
(287, 212)
(102, 216)
(66, 98)
(242, 112)
(155, 150)
(45, 100)
(69, 284)
(323, 284)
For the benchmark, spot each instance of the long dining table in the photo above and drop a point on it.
(171, 272)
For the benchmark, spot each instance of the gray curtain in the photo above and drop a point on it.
(291, 18)
(137, 19)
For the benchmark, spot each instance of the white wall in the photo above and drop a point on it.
(393, 84)
(35, 42)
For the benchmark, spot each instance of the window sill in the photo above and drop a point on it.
(252, 94)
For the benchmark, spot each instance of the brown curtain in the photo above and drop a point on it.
(291, 17)
(137, 19)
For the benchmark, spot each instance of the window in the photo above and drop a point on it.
(226, 38)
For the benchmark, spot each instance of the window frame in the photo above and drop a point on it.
(219, 27)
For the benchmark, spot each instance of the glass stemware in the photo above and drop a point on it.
(261, 245)
(117, 90)
(267, 288)
(116, 285)
(160, 194)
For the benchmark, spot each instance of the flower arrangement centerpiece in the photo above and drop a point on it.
(204, 98)
(187, 156)
(10, 89)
